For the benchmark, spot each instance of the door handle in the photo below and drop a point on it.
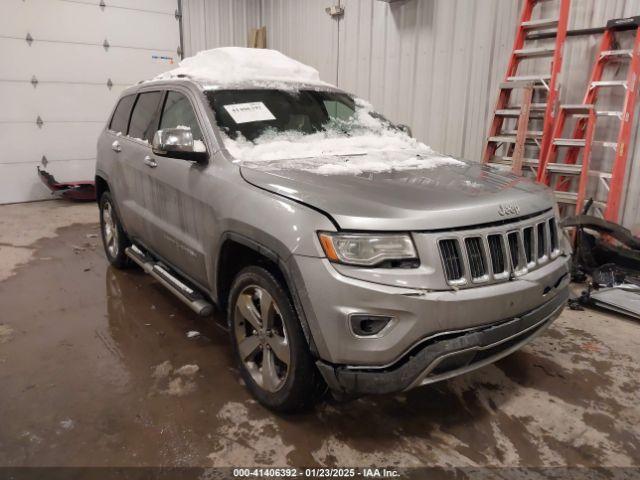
(150, 162)
(115, 146)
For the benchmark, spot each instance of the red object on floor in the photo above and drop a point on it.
(83, 190)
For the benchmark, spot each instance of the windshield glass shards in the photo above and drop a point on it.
(273, 124)
(251, 113)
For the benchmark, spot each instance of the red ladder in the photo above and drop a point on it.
(507, 139)
(568, 174)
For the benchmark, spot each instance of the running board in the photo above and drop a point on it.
(162, 274)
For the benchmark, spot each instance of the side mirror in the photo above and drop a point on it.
(178, 143)
(405, 128)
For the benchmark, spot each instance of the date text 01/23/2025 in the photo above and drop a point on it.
(315, 473)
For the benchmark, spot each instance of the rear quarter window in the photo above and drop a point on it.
(120, 119)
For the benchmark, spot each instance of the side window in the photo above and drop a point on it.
(120, 119)
(338, 110)
(178, 113)
(144, 119)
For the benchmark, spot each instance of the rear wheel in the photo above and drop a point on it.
(114, 239)
(269, 345)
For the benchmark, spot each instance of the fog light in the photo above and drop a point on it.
(368, 325)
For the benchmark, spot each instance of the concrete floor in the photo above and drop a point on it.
(90, 374)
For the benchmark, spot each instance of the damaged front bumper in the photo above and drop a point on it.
(447, 354)
(329, 300)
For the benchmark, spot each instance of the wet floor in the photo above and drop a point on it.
(97, 367)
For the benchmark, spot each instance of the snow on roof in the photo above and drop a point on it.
(237, 65)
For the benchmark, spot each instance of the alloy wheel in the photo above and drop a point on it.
(261, 338)
(110, 229)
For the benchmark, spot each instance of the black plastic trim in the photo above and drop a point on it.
(275, 258)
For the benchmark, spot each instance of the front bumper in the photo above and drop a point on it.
(446, 355)
(328, 298)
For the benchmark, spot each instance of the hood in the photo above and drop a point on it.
(448, 194)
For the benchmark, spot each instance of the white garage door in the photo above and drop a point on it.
(64, 63)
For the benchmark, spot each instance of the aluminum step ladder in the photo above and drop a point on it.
(569, 177)
(512, 141)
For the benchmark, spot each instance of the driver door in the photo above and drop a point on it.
(177, 186)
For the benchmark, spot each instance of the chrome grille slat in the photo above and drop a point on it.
(489, 255)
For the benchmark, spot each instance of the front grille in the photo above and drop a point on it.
(496, 248)
(553, 234)
(451, 259)
(542, 241)
(481, 256)
(527, 237)
(514, 249)
(476, 257)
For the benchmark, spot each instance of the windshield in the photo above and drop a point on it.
(271, 124)
(251, 113)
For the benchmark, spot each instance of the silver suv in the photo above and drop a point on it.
(364, 268)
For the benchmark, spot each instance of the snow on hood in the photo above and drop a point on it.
(238, 65)
(373, 162)
(320, 153)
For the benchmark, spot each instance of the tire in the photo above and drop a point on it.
(267, 339)
(114, 239)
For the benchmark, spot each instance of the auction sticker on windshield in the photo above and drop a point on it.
(249, 112)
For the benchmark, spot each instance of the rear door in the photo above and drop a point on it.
(110, 152)
(137, 193)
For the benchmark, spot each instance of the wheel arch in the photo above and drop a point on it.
(237, 252)
(101, 186)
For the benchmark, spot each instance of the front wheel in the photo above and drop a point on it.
(114, 239)
(268, 342)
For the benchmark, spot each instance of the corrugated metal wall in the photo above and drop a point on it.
(304, 31)
(218, 23)
(432, 64)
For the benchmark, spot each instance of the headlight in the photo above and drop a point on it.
(368, 250)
